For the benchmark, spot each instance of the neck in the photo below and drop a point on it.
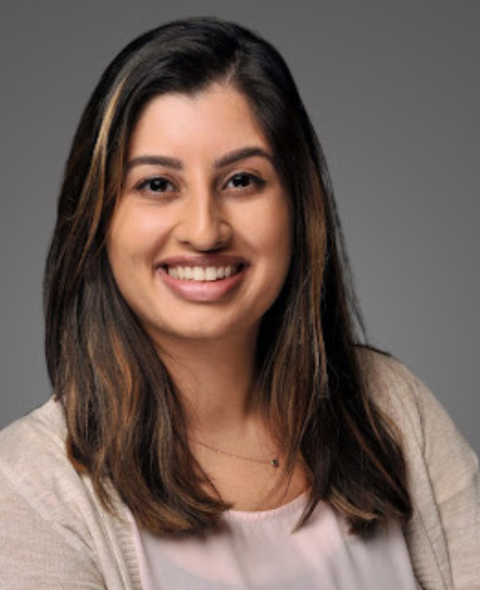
(215, 379)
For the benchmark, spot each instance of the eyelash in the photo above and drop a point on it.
(146, 184)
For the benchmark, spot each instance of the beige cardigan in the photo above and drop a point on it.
(55, 535)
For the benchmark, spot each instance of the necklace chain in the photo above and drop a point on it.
(272, 462)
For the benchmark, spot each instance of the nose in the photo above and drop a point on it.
(204, 225)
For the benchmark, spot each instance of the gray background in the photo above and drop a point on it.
(393, 89)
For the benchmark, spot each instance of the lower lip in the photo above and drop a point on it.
(202, 291)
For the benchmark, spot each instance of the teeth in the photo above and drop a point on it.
(210, 274)
(200, 274)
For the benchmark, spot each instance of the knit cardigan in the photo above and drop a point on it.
(55, 534)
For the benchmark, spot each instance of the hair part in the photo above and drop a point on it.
(126, 426)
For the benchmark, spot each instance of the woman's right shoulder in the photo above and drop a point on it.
(46, 540)
(34, 463)
(33, 440)
(33, 456)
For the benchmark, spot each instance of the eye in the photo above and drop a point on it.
(244, 181)
(156, 184)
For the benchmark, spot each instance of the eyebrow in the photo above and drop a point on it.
(226, 160)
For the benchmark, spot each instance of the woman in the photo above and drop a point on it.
(216, 422)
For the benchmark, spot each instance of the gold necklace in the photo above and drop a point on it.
(272, 462)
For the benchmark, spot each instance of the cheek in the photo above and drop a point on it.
(277, 230)
(134, 238)
(270, 233)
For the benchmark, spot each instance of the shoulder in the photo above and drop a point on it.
(52, 521)
(435, 449)
(443, 475)
(35, 471)
(403, 396)
(46, 420)
(33, 447)
(421, 417)
(388, 379)
(39, 484)
(44, 507)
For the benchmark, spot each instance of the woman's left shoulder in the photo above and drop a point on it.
(443, 474)
(436, 451)
(402, 395)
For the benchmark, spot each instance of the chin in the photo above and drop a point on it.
(204, 331)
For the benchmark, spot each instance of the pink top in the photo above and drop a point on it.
(258, 550)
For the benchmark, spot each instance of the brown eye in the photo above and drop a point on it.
(244, 180)
(156, 185)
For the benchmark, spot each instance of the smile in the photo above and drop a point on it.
(203, 279)
(203, 274)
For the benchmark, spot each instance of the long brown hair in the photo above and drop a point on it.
(125, 422)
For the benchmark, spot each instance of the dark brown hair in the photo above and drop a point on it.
(125, 422)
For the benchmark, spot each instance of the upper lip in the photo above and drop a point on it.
(202, 260)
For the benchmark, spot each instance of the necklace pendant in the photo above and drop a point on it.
(274, 463)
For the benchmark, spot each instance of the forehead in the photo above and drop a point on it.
(215, 120)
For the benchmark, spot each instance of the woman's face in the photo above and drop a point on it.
(200, 241)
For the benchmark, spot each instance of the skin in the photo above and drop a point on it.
(207, 340)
